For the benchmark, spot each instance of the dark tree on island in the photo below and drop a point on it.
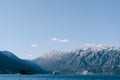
(25, 71)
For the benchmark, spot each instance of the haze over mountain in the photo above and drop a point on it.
(88, 60)
(9, 63)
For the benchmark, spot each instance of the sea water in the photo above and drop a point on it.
(58, 77)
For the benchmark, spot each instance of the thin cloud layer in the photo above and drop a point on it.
(64, 40)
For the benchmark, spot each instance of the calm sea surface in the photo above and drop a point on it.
(58, 77)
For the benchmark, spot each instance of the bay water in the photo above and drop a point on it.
(58, 77)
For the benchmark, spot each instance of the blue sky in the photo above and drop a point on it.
(30, 27)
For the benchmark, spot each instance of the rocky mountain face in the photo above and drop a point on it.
(90, 60)
(9, 63)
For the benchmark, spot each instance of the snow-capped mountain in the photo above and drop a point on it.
(95, 59)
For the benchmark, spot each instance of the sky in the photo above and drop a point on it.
(28, 28)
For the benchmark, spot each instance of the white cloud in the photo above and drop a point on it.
(60, 40)
(34, 45)
(55, 39)
(92, 45)
(64, 40)
(30, 55)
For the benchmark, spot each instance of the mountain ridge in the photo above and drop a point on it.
(86, 60)
(95, 60)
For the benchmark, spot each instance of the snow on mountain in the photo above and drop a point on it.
(49, 54)
(95, 59)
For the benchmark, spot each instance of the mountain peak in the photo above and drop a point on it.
(10, 54)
